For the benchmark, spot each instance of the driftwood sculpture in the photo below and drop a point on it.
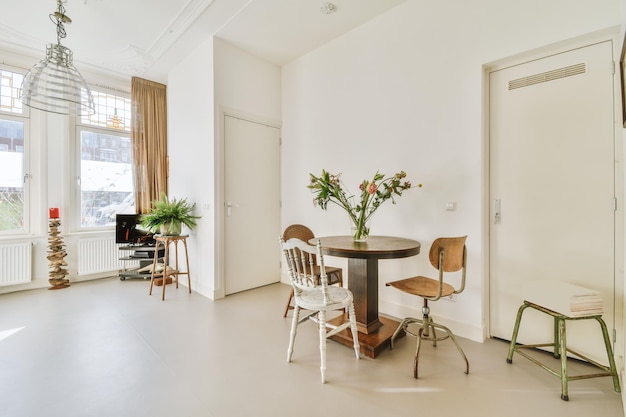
(56, 253)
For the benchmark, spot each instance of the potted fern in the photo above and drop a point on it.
(168, 215)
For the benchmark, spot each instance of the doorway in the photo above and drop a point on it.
(252, 204)
(552, 192)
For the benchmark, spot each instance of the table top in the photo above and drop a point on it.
(376, 247)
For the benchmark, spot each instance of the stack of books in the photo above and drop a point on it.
(564, 298)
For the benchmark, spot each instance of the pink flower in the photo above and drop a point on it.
(372, 187)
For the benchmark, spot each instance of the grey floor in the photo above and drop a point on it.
(106, 348)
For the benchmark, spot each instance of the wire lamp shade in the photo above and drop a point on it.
(54, 84)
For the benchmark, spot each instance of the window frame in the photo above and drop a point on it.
(27, 153)
(76, 126)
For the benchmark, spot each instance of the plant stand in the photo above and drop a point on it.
(56, 253)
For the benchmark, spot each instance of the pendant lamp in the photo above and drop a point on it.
(54, 84)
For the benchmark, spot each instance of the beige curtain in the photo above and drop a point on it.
(149, 141)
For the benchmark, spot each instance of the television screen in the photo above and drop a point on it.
(128, 230)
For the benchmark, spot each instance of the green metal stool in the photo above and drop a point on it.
(560, 348)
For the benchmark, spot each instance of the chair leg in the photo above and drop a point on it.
(562, 344)
(322, 328)
(423, 333)
(355, 332)
(609, 352)
(428, 326)
(402, 327)
(518, 320)
(417, 351)
(456, 343)
(294, 329)
(395, 334)
(288, 306)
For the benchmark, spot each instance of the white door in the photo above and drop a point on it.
(552, 182)
(252, 199)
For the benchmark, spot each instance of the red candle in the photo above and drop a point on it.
(54, 213)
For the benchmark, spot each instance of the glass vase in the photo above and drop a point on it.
(360, 231)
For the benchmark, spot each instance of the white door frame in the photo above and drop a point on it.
(610, 34)
(220, 189)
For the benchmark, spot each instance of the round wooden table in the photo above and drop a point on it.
(374, 331)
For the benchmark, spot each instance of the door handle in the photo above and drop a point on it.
(496, 211)
(229, 206)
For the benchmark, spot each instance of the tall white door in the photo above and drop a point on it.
(252, 199)
(552, 175)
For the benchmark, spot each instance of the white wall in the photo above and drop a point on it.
(246, 84)
(405, 91)
(191, 155)
(216, 78)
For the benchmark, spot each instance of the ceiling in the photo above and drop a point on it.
(146, 37)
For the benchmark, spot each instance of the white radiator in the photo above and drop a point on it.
(15, 263)
(98, 255)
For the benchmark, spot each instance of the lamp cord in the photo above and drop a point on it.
(59, 18)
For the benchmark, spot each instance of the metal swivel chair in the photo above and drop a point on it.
(317, 300)
(447, 254)
(305, 234)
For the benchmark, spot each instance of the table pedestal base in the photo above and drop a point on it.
(371, 344)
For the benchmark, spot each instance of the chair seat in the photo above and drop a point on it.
(313, 299)
(423, 287)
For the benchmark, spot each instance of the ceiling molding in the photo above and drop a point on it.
(12, 38)
(187, 16)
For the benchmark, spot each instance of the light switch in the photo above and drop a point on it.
(451, 206)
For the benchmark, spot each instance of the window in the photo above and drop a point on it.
(105, 171)
(13, 161)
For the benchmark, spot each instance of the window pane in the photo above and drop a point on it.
(12, 194)
(10, 83)
(112, 112)
(106, 178)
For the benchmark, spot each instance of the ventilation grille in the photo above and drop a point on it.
(548, 76)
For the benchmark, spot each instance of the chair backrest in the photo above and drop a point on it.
(298, 231)
(301, 261)
(449, 254)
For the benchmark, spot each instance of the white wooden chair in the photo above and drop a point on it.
(305, 234)
(316, 299)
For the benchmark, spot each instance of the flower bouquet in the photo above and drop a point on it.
(329, 188)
